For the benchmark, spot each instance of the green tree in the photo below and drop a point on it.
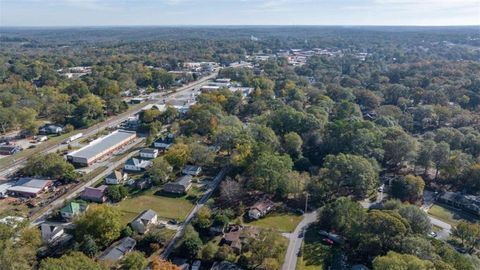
(89, 110)
(417, 218)
(270, 173)
(350, 174)
(397, 261)
(399, 147)
(160, 171)
(70, 261)
(133, 261)
(88, 246)
(102, 222)
(178, 155)
(116, 193)
(468, 233)
(293, 144)
(49, 165)
(343, 216)
(203, 219)
(408, 188)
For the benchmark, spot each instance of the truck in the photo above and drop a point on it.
(73, 138)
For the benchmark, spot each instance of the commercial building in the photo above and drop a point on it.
(29, 187)
(101, 147)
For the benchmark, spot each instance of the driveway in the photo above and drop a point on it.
(295, 240)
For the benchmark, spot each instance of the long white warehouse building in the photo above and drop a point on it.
(101, 147)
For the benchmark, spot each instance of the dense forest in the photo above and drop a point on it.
(335, 129)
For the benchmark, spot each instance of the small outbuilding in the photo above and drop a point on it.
(144, 221)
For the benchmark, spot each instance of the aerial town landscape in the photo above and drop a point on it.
(239, 147)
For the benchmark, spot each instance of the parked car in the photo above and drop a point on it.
(327, 241)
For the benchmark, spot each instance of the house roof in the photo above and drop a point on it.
(30, 185)
(147, 215)
(72, 207)
(191, 168)
(149, 151)
(103, 144)
(184, 180)
(92, 192)
(167, 139)
(137, 162)
(262, 206)
(115, 175)
(119, 249)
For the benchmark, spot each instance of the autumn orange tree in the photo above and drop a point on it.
(159, 264)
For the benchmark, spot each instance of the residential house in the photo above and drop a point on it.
(144, 221)
(72, 209)
(237, 236)
(224, 265)
(196, 265)
(149, 153)
(181, 186)
(117, 177)
(9, 149)
(94, 194)
(468, 203)
(142, 183)
(118, 250)
(164, 143)
(51, 232)
(260, 209)
(137, 165)
(192, 170)
(51, 129)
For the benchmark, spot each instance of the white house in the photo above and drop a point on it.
(192, 170)
(51, 232)
(260, 209)
(143, 222)
(137, 165)
(149, 153)
(116, 177)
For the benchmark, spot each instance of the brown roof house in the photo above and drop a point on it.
(237, 236)
(94, 194)
(260, 209)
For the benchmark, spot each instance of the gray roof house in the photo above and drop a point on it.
(116, 177)
(164, 143)
(144, 221)
(181, 186)
(468, 203)
(119, 249)
(51, 232)
(137, 165)
(192, 170)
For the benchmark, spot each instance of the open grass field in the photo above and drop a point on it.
(448, 215)
(166, 207)
(313, 251)
(280, 222)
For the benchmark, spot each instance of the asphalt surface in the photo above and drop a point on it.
(295, 240)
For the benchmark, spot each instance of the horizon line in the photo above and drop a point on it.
(237, 25)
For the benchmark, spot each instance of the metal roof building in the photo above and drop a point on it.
(101, 147)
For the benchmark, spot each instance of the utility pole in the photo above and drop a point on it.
(306, 202)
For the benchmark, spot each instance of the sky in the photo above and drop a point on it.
(238, 12)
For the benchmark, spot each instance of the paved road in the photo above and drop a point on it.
(295, 241)
(446, 231)
(11, 168)
(213, 185)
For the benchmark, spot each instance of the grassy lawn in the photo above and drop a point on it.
(280, 222)
(313, 251)
(448, 215)
(166, 207)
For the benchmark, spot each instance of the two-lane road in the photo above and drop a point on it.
(296, 239)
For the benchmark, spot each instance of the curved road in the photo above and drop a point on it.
(295, 240)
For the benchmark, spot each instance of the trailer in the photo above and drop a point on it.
(73, 138)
